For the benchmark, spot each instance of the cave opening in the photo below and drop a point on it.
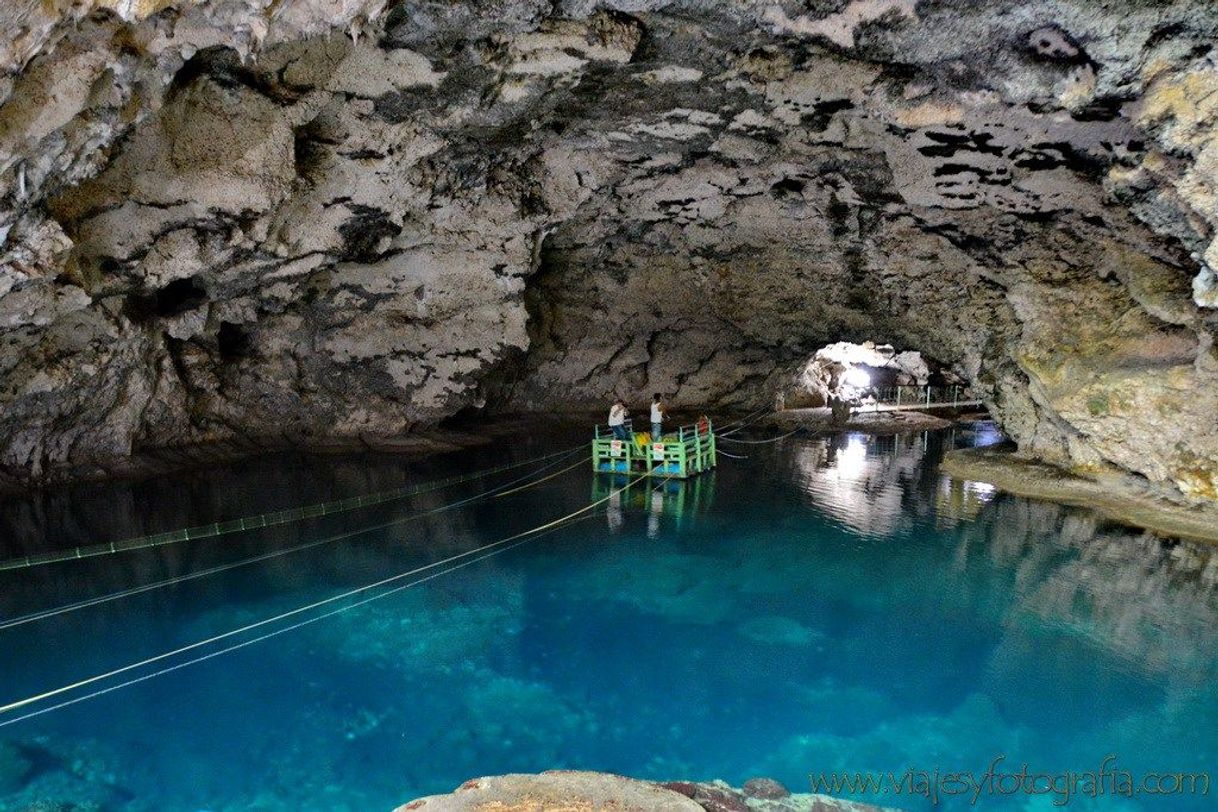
(172, 299)
(845, 376)
(179, 296)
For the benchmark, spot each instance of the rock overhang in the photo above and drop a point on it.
(403, 210)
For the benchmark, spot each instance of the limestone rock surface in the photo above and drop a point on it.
(574, 791)
(241, 219)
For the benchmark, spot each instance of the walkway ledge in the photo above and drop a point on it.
(1117, 498)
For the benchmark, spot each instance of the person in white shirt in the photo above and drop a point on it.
(657, 418)
(617, 420)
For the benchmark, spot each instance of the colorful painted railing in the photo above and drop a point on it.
(688, 451)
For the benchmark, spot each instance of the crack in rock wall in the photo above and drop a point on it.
(299, 220)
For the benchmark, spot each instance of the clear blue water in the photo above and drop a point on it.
(826, 604)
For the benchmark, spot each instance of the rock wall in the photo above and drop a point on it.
(298, 220)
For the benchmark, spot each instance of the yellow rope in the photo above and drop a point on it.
(268, 635)
(261, 520)
(11, 706)
(537, 482)
(139, 590)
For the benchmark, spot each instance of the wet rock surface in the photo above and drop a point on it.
(232, 221)
(569, 790)
(1117, 498)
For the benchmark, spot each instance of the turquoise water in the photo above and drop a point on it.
(825, 604)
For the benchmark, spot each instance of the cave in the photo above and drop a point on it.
(865, 372)
(902, 313)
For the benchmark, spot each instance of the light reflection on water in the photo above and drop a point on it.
(826, 603)
(864, 491)
(864, 481)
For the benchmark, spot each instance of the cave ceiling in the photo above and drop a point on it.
(311, 219)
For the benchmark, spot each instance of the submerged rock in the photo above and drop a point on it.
(15, 768)
(556, 790)
(766, 788)
(47, 773)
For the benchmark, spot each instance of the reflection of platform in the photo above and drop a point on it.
(676, 499)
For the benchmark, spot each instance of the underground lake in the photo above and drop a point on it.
(825, 603)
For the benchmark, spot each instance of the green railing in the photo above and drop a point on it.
(680, 454)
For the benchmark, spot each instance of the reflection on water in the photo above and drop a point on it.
(1150, 602)
(870, 483)
(1071, 568)
(826, 603)
(962, 499)
(671, 501)
(866, 482)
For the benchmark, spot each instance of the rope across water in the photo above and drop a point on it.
(738, 425)
(266, 636)
(261, 520)
(84, 604)
(766, 441)
(85, 682)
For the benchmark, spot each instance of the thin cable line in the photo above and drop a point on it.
(535, 483)
(11, 706)
(743, 423)
(139, 590)
(763, 442)
(744, 419)
(276, 632)
(261, 520)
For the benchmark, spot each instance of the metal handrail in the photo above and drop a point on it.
(914, 395)
(692, 428)
(606, 432)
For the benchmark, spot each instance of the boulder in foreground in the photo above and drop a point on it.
(574, 791)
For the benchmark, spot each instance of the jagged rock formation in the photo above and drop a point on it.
(577, 791)
(243, 218)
